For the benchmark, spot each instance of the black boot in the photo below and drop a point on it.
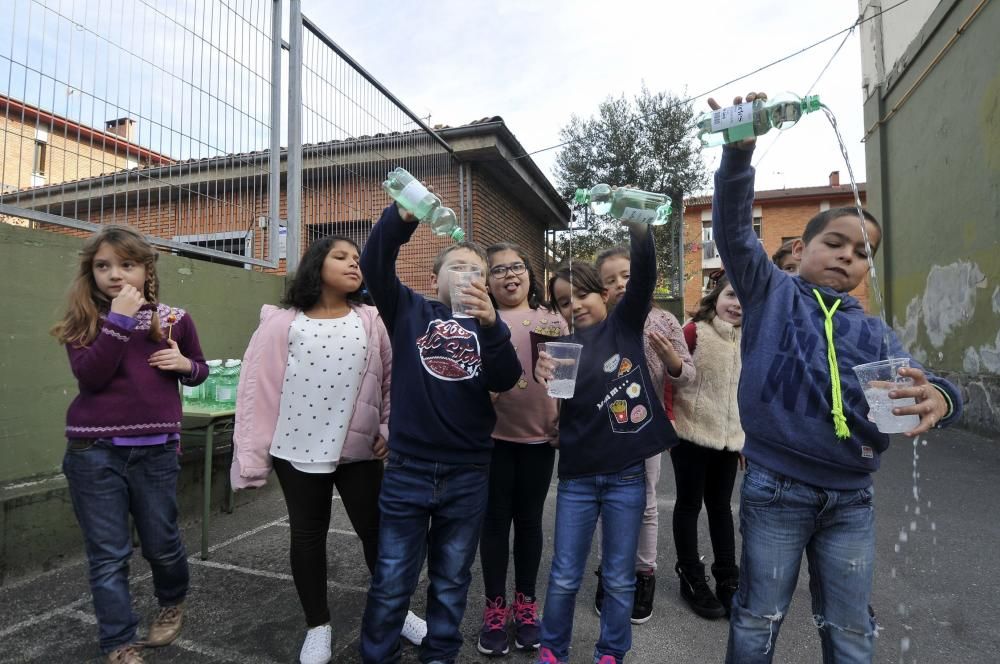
(727, 582)
(695, 591)
(642, 605)
(599, 595)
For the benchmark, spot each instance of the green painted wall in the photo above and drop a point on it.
(36, 385)
(934, 180)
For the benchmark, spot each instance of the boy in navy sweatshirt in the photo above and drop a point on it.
(434, 491)
(810, 446)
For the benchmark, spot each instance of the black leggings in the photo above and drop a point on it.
(519, 481)
(308, 497)
(704, 474)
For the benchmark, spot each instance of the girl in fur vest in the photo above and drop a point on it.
(313, 403)
(706, 460)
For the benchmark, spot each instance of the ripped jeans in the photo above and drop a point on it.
(779, 519)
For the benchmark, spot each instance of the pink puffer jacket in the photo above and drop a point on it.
(259, 395)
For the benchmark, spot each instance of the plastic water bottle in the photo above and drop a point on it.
(735, 123)
(628, 204)
(208, 387)
(414, 197)
(192, 395)
(225, 385)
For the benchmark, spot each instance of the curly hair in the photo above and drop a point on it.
(82, 321)
(307, 283)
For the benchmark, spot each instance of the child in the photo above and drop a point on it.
(436, 480)
(123, 431)
(521, 467)
(809, 443)
(705, 461)
(607, 430)
(326, 355)
(670, 366)
(785, 258)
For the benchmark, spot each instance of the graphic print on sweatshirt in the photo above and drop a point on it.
(449, 351)
(627, 398)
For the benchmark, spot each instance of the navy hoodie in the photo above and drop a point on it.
(785, 386)
(443, 368)
(615, 418)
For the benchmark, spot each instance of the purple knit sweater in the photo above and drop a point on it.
(120, 394)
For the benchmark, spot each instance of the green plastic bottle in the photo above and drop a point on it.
(208, 387)
(735, 123)
(628, 204)
(413, 196)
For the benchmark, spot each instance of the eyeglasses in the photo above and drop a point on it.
(500, 271)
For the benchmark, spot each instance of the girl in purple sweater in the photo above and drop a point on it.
(127, 352)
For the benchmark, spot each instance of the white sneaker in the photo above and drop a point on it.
(414, 628)
(316, 649)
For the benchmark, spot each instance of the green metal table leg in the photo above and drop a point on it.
(207, 506)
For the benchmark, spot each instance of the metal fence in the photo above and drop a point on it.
(171, 117)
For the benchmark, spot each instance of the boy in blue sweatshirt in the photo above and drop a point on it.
(810, 446)
(436, 479)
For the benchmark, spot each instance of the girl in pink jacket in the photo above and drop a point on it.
(313, 404)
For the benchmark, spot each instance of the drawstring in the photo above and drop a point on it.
(839, 420)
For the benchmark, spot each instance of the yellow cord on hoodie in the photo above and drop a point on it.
(839, 420)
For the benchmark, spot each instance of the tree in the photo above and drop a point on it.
(645, 142)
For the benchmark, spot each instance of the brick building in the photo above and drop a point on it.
(222, 203)
(779, 215)
(40, 148)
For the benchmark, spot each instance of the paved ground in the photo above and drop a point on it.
(935, 591)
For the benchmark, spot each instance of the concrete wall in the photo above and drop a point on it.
(37, 529)
(934, 181)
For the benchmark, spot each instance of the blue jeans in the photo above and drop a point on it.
(619, 499)
(432, 509)
(106, 483)
(779, 519)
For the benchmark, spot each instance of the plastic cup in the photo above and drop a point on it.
(460, 276)
(877, 380)
(567, 359)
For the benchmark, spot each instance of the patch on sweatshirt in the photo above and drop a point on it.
(867, 452)
(449, 351)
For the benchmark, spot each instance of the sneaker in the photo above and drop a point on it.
(545, 656)
(606, 659)
(695, 591)
(599, 594)
(527, 632)
(414, 628)
(642, 605)
(130, 653)
(727, 582)
(165, 626)
(493, 639)
(316, 647)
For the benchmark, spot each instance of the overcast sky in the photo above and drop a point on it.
(535, 63)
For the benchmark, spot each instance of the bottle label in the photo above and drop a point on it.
(637, 214)
(224, 393)
(724, 118)
(412, 194)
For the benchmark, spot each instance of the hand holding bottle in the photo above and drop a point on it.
(746, 143)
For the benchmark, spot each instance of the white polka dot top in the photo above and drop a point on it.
(326, 362)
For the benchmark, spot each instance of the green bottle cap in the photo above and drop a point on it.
(582, 197)
(458, 235)
(811, 103)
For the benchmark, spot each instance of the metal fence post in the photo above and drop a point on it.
(274, 180)
(293, 242)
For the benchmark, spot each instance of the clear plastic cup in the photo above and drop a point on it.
(567, 359)
(460, 276)
(877, 380)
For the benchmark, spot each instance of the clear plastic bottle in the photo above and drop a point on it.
(192, 395)
(225, 386)
(628, 204)
(414, 197)
(208, 387)
(735, 123)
